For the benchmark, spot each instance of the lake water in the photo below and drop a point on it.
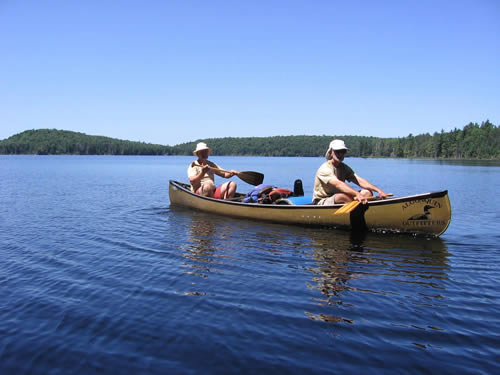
(99, 274)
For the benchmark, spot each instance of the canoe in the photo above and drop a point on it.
(428, 213)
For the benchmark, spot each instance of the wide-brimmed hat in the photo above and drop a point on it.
(200, 147)
(336, 145)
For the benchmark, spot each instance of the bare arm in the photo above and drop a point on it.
(224, 174)
(365, 184)
(196, 179)
(346, 189)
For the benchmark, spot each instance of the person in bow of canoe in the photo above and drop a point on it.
(329, 183)
(201, 175)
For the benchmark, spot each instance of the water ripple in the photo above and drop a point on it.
(100, 275)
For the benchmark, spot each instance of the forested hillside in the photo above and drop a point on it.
(474, 141)
(55, 142)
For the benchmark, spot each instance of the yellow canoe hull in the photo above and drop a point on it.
(428, 213)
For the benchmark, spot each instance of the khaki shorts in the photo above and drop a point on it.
(326, 201)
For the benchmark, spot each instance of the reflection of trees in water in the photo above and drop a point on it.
(206, 243)
(200, 246)
(341, 257)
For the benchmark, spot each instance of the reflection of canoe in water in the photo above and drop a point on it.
(428, 213)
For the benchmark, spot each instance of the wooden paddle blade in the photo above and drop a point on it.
(349, 207)
(252, 178)
(346, 208)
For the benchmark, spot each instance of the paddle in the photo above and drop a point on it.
(252, 178)
(349, 207)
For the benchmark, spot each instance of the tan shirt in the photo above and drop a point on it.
(194, 169)
(327, 171)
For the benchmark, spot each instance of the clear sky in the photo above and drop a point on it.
(169, 72)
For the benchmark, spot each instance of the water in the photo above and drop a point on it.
(100, 275)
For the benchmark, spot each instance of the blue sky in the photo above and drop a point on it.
(169, 72)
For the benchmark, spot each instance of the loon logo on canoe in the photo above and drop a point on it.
(426, 215)
(429, 204)
(424, 219)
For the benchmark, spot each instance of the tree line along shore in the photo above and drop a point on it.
(473, 141)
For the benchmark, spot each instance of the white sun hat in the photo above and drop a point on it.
(200, 147)
(336, 144)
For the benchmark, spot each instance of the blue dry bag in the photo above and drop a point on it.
(254, 194)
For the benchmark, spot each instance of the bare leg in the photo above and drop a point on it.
(366, 193)
(228, 189)
(231, 189)
(342, 198)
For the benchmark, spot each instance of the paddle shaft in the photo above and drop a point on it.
(370, 198)
(220, 170)
(350, 206)
(252, 178)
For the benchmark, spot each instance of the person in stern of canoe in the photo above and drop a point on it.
(329, 182)
(201, 175)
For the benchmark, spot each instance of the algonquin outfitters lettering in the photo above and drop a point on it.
(425, 220)
(423, 223)
(429, 201)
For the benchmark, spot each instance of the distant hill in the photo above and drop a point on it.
(56, 142)
(474, 141)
